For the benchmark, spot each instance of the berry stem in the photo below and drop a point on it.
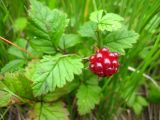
(18, 47)
(100, 42)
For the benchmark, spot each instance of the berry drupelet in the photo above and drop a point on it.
(104, 63)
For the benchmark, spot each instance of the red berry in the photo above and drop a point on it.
(104, 63)
(92, 59)
(98, 67)
(115, 63)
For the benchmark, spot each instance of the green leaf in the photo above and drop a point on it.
(20, 23)
(69, 40)
(13, 65)
(142, 101)
(18, 53)
(137, 108)
(153, 93)
(60, 92)
(88, 96)
(48, 111)
(55, 71)
(120, 40)
(88, 30)
(5, 97)
(110, 22)
(45, 27)
(96, 16)
(18, 84)
(30, 69)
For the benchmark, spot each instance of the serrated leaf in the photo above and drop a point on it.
(13, 65)
(5, 97)
(60, 92)
(69, 40)
(45, 27)
(88, 30)
(120, 40)
(96, 16)
(48, 111)
(30, 69)
(110, 22)
(87, 97)
(18, 84)
(55, 71)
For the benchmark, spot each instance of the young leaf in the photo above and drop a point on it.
(18, 84)
(48, 111)
(45, 27)
(96, 16)
(110, 22)
(88, 96)
(120, 40)
(88, 30)
(13, 65)
(55, 71)
(69, 40)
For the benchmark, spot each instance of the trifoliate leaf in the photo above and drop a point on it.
(69, 40)
(18, 84)
(87, 97)
(48, 111)
(88, 30)
(13, 65)
(45, 27)
(120, 40)
(55, 71)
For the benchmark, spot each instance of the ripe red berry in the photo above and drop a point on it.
(104, 63)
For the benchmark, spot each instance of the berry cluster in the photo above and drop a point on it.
(104, 63)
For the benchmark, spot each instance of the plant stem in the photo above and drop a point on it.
(99, 40)
(18, 47)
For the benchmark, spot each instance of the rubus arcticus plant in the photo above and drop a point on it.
(56, 75)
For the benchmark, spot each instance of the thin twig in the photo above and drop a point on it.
(18, 47)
